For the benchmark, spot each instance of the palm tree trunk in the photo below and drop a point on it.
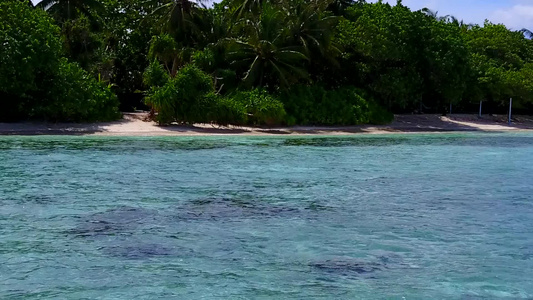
(174, 67)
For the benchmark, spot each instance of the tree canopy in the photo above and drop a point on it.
(282, 61)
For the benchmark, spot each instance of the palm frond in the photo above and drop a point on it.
(527, 33)
(46, 4)
(251, 74)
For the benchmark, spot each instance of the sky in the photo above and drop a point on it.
(516, 14)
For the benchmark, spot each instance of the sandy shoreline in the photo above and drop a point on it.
(132, 124)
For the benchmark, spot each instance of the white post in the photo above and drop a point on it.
(510, 109)
(480, 106)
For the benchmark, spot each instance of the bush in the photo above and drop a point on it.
(35, 82)
(227, 111)
(29, 53)
(262, 108)
(155, 75)
(314, 105)
(377, 115)
(163, 101)
(183, 98)
(226, 80)
(162, 47)
(190, 98)
(76, 96)
(204, 59)
(81, 44)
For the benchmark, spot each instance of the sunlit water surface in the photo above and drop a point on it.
(447, 216)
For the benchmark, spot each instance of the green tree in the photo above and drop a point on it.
(29, 53)
(264, 53)
(241, 8)
(410, 60)
(500, 60)
(123, 56)
(311, 26)
(181, 19)
(184, 98)
(71, 9)
(80, 43)
(381, 51)
(35, 82)
(338, 7)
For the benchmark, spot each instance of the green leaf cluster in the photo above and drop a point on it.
(316, 105)
(35, 81)
(325, 61)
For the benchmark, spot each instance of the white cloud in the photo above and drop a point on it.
(516, 17)
(515, 14)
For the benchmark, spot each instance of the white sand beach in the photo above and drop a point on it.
(135, 124)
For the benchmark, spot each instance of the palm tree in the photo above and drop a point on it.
(180, 18)
(453, 20)
(311, 26)
(527, 33)
(430, 13)
(264, 52)
(241, 7)
(183, 23)
(448, 19)
(29, 2)
(339, 6)
(69, 9)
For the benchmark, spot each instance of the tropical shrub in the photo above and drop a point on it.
(377, 115)
(80, 43)
(262, 107)
(330, 62)
(226, 111)
(163, 100)
(314, 105)
(155, 75)
(226, 80)
(29, 53)
(75, 96)
(35, 82)
(204, 59)
(182, 98)
(190, 98)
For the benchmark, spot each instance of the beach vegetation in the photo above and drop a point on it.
(254, 62)
(37, 81)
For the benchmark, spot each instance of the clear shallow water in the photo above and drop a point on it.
(390, 217)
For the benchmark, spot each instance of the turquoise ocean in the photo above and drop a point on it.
(414, 216)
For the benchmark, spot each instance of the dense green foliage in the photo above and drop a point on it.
(317, 62)
(190, 98)
(183, 98)
(35, 82)
(261, 107)
(314, 105)
(75, 96)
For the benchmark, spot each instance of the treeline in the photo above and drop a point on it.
(309, 62)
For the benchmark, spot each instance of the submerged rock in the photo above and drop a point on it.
(378, 261)
(121, 233)
(348, 266)
(137, 250)
(122, 220)
(225, 208)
